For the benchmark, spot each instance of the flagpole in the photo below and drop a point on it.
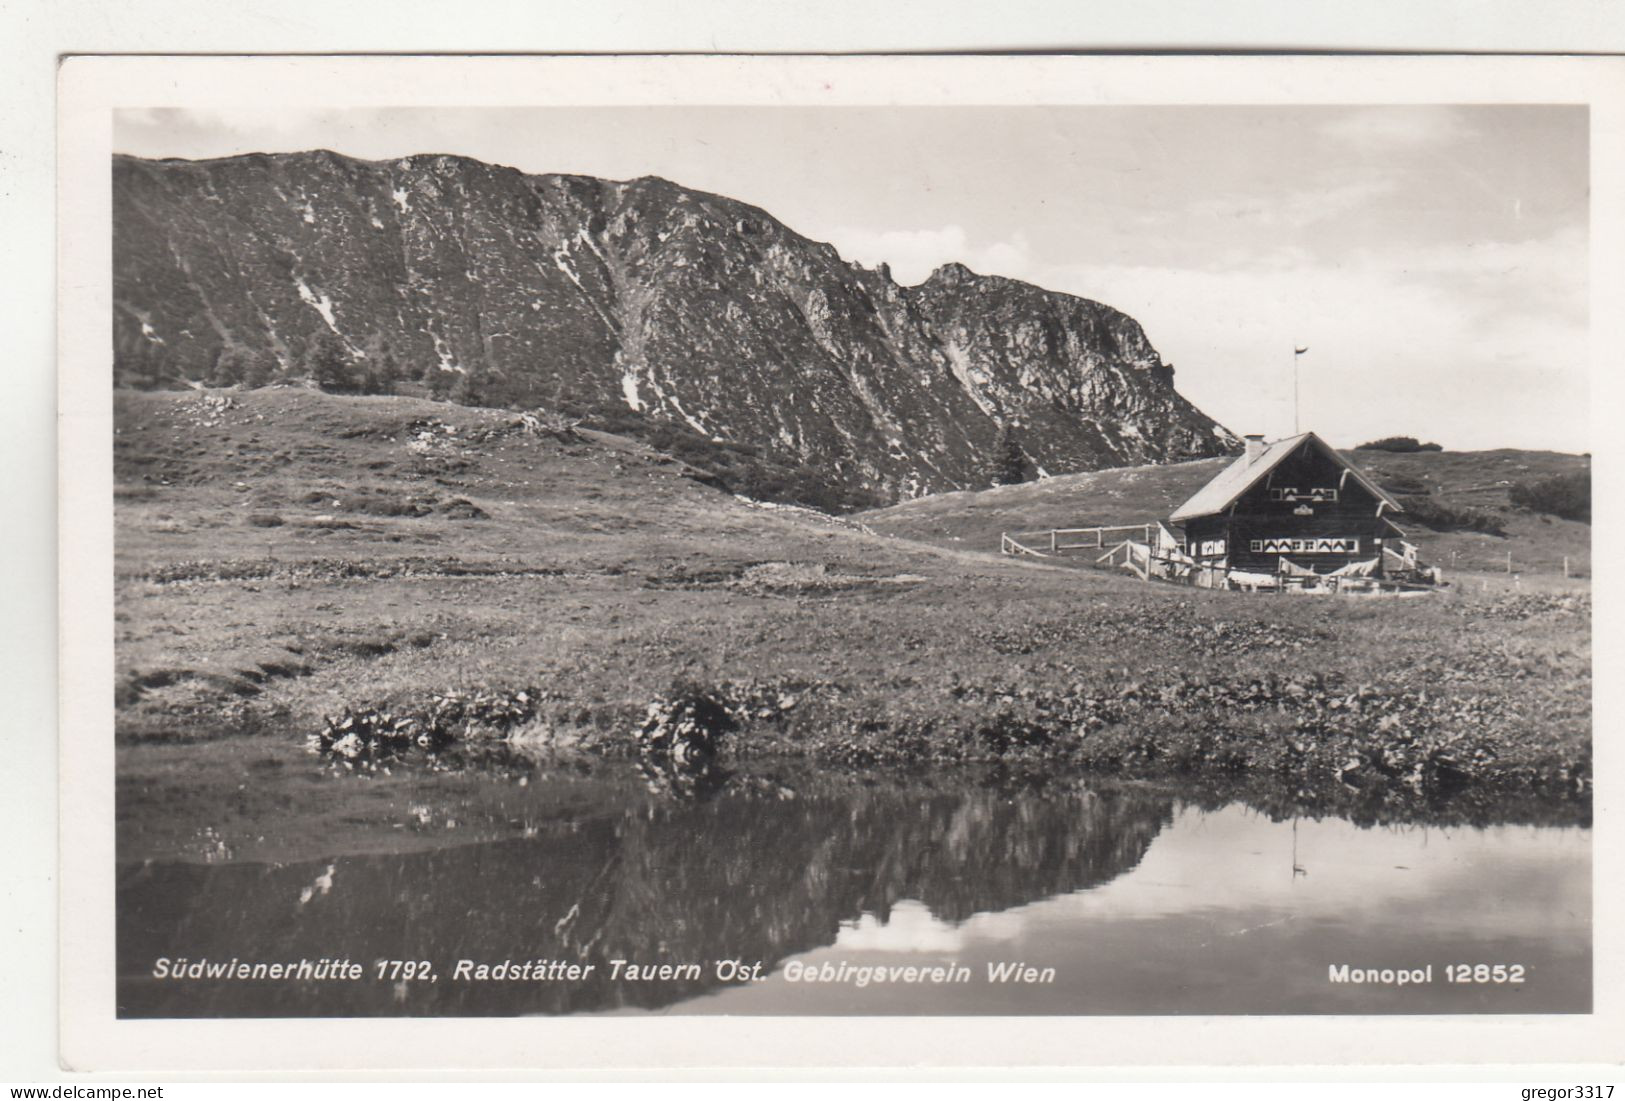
(1296, 352)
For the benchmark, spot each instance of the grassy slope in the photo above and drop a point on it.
(611, 570)
(1473, 479)
(602, 574)
(1482, 480)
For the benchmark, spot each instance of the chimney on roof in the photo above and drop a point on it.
(1255, 448)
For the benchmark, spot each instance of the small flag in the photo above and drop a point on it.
(1299, 351)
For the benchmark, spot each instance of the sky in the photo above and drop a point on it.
(1433, 259)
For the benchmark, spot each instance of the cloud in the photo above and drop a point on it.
(913, 928)
(1387, 128)
(1296, 210)
(186, 132)
(1477, 347)
(914, 254)
(1012, 257)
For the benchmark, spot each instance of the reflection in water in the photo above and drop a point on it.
(1216, 919)
(754, 871)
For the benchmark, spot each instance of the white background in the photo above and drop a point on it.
(33, 34)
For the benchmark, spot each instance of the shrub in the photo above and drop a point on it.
(258, 369)
(1008, 463)
(1441, 516)
(439, 381)
(380, 369)
(745, 469)
(550, 422)
(1403, 483)
(327, 364)
(469, 388)
(1400, 444)
(1566, 495)
(372, 501)
(461, 508)
(230, 364)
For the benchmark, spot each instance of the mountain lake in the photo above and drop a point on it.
(496, 884)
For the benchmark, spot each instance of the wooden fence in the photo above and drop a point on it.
(1154, 556)
(1059, 542)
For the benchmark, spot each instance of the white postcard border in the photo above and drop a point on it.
(91, 88)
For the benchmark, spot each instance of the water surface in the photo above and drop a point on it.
(1121, 899)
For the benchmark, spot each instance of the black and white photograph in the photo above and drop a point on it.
(1033, 557)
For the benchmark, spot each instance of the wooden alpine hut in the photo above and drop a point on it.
(1294, 507)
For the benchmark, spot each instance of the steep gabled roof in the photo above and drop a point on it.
(1240, 476)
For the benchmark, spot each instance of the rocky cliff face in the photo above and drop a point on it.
(684, 306)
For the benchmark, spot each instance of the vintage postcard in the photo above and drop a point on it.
(923, 561)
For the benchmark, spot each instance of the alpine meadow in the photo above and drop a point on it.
(593, 581)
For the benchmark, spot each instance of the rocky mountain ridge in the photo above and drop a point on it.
(678, 305)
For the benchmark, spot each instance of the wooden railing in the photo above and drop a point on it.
(1145, 560)
(1058, 542)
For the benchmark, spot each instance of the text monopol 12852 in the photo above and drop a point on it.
(1455, 973)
